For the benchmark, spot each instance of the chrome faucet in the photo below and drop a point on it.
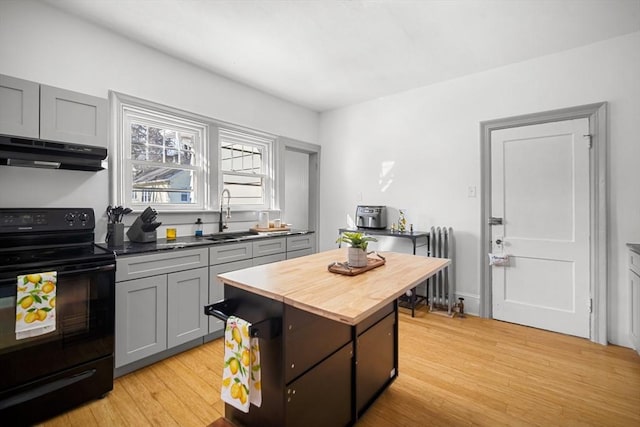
(221, 225)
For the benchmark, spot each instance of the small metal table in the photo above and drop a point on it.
(415, 237)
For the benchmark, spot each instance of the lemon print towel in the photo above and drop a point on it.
(241, 374)
(36, 304)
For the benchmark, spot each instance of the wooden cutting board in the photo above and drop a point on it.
(265, 230)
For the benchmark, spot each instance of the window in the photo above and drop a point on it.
(163, 156)
(245, 167)
(168, 159)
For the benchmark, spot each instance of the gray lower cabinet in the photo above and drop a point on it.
(159, 302)
(141, 318)
(31, 110)
(634, 278)
(160, 296)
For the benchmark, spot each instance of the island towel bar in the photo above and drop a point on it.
(266, 328)
(442, 284)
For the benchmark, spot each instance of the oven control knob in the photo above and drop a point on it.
(83, 217)
(70, 217)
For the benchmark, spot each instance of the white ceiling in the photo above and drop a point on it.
(325, 54)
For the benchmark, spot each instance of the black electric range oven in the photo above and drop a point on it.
(57, 309)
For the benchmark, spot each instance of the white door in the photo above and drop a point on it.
(540, 189)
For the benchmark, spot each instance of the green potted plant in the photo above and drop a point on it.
(357, 254)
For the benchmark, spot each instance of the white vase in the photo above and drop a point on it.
(357, 257)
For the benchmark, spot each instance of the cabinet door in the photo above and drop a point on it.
(376, 364)
(216, 288)
(187, 294)
(141, 318)
(322, 396)
(635, 310)
(74, 117)
(19, 107)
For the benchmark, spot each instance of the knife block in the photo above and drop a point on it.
(136, 234)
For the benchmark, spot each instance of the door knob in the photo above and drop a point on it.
(498, 241)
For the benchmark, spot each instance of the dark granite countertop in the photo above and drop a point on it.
(133, 248)
(635, 247)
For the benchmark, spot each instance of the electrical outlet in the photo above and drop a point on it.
(471, 191)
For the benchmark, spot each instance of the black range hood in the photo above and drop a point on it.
(37, 153)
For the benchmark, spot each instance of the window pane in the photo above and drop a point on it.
(162, 185)
(241, 158)
(245, 190)
(155, 154)
(138, 151)
(155, 136)
(138, 133)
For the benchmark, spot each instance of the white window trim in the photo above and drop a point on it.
(120, 158)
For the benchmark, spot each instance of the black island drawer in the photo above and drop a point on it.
(309, 339)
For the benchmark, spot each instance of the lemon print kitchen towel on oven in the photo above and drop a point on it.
(36, 304)
(241, 384)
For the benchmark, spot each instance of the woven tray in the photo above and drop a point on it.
(344, 268)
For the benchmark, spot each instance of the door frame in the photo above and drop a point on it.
(597, 115)
(313, 150)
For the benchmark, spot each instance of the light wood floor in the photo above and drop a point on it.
(453, 372)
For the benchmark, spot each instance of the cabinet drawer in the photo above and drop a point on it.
(634, 262)
(269, 259)
(303, 241)
(298, 254)
(220, 254)
(135, 267)
(269, 246)
(310, 338)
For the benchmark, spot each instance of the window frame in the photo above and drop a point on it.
(124, 108)
(267, 144)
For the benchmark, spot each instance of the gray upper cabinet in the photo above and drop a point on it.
(72, 117)
(31, 110)
(19, 107)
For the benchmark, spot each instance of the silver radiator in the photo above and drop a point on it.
(442, 285)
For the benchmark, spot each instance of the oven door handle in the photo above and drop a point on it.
(107, 267)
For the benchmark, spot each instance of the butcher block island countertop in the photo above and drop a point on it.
(306, 283)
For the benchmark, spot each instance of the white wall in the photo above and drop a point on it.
(420, 150)
(42, 44)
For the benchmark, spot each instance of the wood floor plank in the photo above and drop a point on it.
(452, 372)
